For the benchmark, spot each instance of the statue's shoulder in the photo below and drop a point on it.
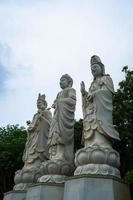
(48, 113)
(107, 77)
(35, 115)
(71, 92)
(72, 89)
(108, 82)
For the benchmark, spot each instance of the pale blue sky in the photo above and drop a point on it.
(3, 77)
(41, 40)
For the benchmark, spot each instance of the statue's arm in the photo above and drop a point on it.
(54, 104)
(72, 94)
(33, 124)
(71, 98)
(82, 89)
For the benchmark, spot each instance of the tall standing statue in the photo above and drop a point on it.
(61, 135)
(98, 156)
(36, 150)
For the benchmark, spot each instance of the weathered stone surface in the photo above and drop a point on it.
(95, 188)
(15, 195)
(61, 135)
(97, 160)
(98, 156)
(36, 150)
(45, 192)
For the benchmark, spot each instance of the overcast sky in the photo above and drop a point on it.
(41, 40)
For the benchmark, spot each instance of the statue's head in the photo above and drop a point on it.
(97, 67)
(41, 102)
(66, 81)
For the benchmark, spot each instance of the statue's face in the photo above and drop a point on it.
(64, 83)
(96, 70)
(40, 104)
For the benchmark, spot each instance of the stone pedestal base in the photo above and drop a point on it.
(43, 191)
(96, 188)
(97, 169)
(55, 171)
(97, 161)
(52, 179)
(15, 195)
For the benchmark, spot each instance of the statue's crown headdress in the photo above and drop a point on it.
(95, 59)
(41, 97)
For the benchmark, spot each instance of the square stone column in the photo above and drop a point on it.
(15, 195)
(96, 188)
(47, 191)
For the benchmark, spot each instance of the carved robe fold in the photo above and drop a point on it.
(36, 145)
(97, 109)
(62, 125)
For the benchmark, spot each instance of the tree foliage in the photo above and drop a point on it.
(123, 119)
(78, 129)
(12, 142)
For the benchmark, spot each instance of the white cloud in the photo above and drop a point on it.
(49, 39)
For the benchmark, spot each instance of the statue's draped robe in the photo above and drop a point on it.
(97, 109)
(62, 125)
(36, 145)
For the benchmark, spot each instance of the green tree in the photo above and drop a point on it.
(78, 129)
(12, 142)
(123, 119)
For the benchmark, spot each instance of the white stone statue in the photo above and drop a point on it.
(98, 156)
(61, 135)
(36, 150)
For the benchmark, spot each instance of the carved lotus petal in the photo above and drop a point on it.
(98, 156)
(37, 175)
(27, 177)
(53, 168)
(113, 159)
(18, 177)
(65, 169)
(82, 158)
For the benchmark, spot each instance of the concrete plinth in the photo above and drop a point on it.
(45, 191)
(15, 195)
(95, 188)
